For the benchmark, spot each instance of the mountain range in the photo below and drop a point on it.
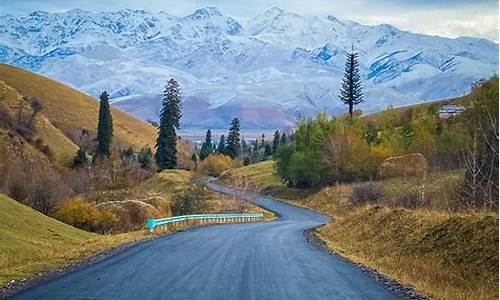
(268, 70)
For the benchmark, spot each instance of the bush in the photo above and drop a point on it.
(36, 186)
(215, 164)
(190, 201)
(367, 192)
(79, 213)
(130, 214)
(305, 169)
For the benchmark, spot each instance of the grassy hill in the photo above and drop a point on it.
(65, 112)
(31, 242)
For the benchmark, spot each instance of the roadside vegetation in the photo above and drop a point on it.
(93, 174)
(31, 242)
(411, 195)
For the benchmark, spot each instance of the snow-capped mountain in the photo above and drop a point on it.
(267, 70)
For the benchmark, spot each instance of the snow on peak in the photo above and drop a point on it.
(204, 13)
(227, 68)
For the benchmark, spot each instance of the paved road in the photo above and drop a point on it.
(268, 260)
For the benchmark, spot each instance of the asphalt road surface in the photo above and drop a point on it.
(266, 260)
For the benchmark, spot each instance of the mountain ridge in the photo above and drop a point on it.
(230, 67)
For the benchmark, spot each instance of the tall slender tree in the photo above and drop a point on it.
(283, 139)
(104, 127)
(233, 139)
(221, 148)
(170, 116)
(276, 141)
(206, 147)
(351, 92)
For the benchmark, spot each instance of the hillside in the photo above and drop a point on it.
(31, 242)
(65, 112)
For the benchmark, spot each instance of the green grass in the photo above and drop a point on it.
(31, 242)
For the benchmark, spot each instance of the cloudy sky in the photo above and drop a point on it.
(450, 18)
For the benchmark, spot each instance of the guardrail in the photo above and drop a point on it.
(151, 224)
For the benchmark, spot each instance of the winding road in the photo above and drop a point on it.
(265, 260)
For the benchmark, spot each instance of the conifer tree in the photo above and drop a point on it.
(276, 141)
(104, 127)
(262, 141)
(222, 145)
(80, 159)
(170, 115)
(283, 139)
(351, 92)
(206, 147)
(144, 157)
(268, 151)
(233, 139)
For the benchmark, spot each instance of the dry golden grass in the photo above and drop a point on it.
(445, 255)
(67, 108)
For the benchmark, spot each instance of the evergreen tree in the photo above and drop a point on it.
(233, 139)
(256, 146)
(268, 151)
(206, 147)
(104, 127)
(262, 141)
(283, 139)
(276, 141)
(221, 148)
(244, 147)
(80, 159)
(351, 92)
(170, 115)
(144, 157)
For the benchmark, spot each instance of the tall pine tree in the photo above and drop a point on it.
(283, 139)
(104, 127)
(221, 148)
(170, 116)
(276, 141)
(233, 139)
(206, 147)
(351, 92)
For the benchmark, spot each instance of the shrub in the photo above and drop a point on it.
(215, 164)
(367, 192)
(190, 201)
(36, 186)
(348, 157)
(305, 169)
(130, 214)
(79, 213)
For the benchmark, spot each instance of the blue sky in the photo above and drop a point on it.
(451, 18)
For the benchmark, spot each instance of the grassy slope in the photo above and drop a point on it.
(66, 109)
(377, 116)
(31, 242)
(446, 255)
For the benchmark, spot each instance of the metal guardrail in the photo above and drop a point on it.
(151, 224)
